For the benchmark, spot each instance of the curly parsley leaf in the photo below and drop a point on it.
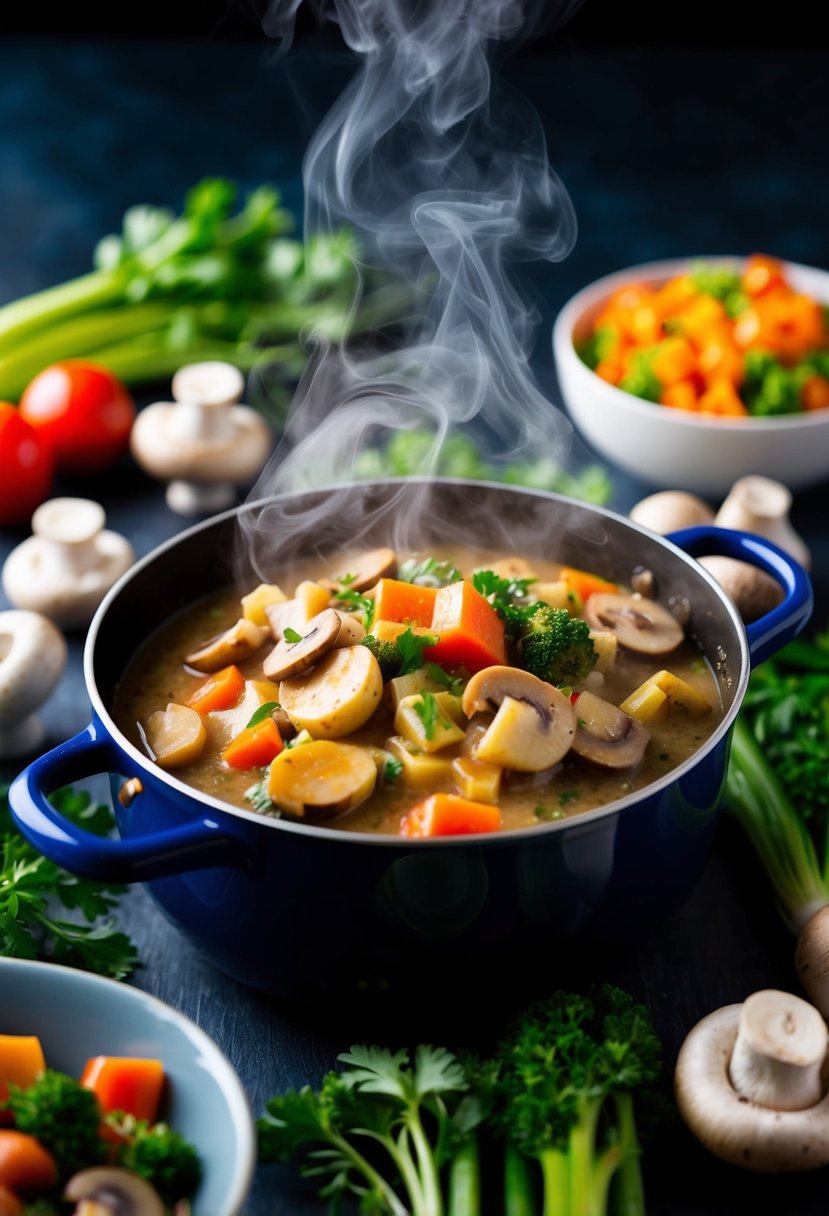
(33, 889)
(411, 646)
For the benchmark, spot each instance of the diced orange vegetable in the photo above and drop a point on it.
(682, 395)
(255, 746)
(674, 294)
(131, 1084)
(398, 601)
(631, 296)
(790, 324)
(722, 399)
(674, 360)
(699, 316)
(21, 1062)
(219, 691)
(10, 1204)
(584, 583)
(645, 325)
(760, 274)
(720, 358)
(815, 393)
(390, 631)
(609, 369)
(25, 1165)
(470, 632)
(449, 815)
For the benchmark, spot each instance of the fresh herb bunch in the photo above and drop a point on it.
(31, 887)
(406, 1135)
(214, 282)
(777, 783)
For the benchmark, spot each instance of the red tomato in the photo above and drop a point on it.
(83, 412)
(26, 467)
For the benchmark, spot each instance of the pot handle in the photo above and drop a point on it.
(773, 630)
(194, 845)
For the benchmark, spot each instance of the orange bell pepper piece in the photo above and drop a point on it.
(584, 583)
(255, 746)
(722, 399)
(682, 395)
(131, 1084)
(674, 360)
(21, 1062)
(219, 691)
(815, 393)
(449, 815)
(398, 601)
(761, 273)
(469, 630)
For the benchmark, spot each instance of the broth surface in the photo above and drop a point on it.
(157, 676)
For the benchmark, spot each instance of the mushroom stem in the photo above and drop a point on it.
(761, 505)
(782, 1052)
(812, 959)
(780, 1048)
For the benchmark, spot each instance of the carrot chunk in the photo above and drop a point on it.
(584, 583)
(815, 393)
(131, 1084)
(470, 632)
(722, 399)
(395, 600)
(255, 746)
(682, 395)
(25, 1165)
(219, 691)
(21, 1061)
(761, 273)
(449, 815)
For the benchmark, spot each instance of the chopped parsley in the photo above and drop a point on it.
(430, 572)
(548, 813)
(428, 710)
(353, 601)
(291, 635)
(411, 646)
(452, 684)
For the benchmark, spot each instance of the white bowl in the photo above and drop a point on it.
(670, 448)
(77, 1016)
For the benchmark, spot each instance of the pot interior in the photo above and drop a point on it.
(255, 542)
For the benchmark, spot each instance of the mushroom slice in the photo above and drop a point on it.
(113, 1192)
(351, 631)
(535, 723)
(364, 571)
(233, 646)
(292, 658)
(606, 736)
(321, 778)
(640, 624)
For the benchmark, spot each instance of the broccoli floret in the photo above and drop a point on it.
(159, 1154)
(641, 380)
(386, 654)
(564, 1086)
(556, 647)
(601, 344)
(770, 388)
(64, 1116)
(723, 283)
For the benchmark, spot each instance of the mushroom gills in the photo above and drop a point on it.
(534, 725)
(606, 736)
(108, 1190)
(641, 625)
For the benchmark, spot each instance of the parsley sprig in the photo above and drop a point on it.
(33, 889)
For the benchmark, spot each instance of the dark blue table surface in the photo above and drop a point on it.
(664, 152)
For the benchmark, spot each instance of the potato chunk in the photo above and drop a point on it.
(175, 735)
(321, 778)
(335, 697)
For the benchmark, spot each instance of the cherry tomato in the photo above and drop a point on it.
(26, 467)
(83, 412)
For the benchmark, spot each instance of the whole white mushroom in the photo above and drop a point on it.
(32, 659)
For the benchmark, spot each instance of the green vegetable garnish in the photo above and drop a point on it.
(353, 601)
(777, 781)
(64, 1116)
(641, 380)
(291, 635)
(428, 710)
(429, 572)
(411, 646)
(555, 646)
(158, 1153)
(31, 885)
(264, 711)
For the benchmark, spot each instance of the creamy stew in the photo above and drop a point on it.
(427, 696)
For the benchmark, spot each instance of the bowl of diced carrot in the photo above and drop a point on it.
(690, 374)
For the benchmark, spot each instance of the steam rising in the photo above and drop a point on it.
(442, 170)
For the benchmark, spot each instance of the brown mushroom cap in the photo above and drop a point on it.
(291, 658)
(114, 1190)
(233, 646)
(753, 591)
(607, 736)
(641, 625)
(365, 570)
(730, 1125)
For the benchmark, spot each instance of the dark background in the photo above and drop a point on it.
(597, 22)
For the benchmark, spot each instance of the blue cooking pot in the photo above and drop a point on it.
(296, 909)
